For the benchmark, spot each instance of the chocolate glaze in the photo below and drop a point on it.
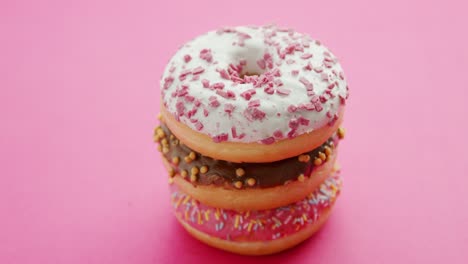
(223, 173)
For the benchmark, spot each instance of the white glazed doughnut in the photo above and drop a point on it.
(254, 84)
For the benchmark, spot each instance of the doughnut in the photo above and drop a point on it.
(257, 232)
(250, 123)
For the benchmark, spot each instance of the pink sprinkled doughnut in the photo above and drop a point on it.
(254, 84)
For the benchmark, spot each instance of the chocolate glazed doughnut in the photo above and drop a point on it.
(250, 126)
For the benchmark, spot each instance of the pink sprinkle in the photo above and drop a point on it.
(205, 54)
(308, 67)
(341, 74)
(318, 69)
(226, 94)
(172, 69)
(206, 83)
(292, 133)
(213, 101)
(198, 70)
(180, 108)
(241, 136)
(322, 98)
(309, 86)
(268, 141)
(309, 106)
(234, 132)
(292, 108)
(278, 82)
(329, 114)
(314, 99)
(318, 107)
(293, 123)
(205, 112)
(218, 86)
(195, 78)
(331, 86)
(198, 125)
(276, 72)
(224, 74)
(269, 90)
(248, 94)
(290, 61)
(310, 93)
(187, 58)
(294, 72)
(192, 113)
(283, 91)
(261, 64)
(168, 82)
(254, 103)
(324, 76)
(229, 108)
(342, 99)
(243, 62)
(189, 98)
(327, 64)
(220, 138)
(306, 56)
(278, 134)
(303, 121)
(254, 113)
(197, 103)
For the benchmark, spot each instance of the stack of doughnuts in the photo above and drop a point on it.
(250, 125)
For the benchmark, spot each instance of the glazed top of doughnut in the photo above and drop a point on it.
(254, 84)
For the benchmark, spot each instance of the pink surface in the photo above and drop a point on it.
(81, 180)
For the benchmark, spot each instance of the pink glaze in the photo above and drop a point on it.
(256, 225)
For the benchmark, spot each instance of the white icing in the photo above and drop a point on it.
(225, 53)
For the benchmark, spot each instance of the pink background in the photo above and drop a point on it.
(82, 182)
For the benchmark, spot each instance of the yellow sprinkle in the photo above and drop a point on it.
(322, 156)
(164, 142)
(184, 173)
(340, 132)
(236, 222)
(159, 116)
(170, 180)
(165, 150)
(217, 214)
(186, 215)
(318, 162)
(187, 198)
(238, 184)
(192, 155)
(301, 178)
(251, 182)
(175, 160)
(193, 178)
(304, 158)
(249, 228)
(304, 216)
(327, 150)
(203, 169)
(240, 172)
(199, 218)
(207, 215)
(247, 214)
(171, 172)
(187, 159)
(194, 170)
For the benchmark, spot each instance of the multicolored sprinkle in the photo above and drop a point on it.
(261, 225)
